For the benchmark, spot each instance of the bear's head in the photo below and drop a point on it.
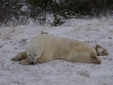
(32, 55)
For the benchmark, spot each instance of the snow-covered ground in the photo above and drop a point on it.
(57, 72)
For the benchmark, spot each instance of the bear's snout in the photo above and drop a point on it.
(32, 63)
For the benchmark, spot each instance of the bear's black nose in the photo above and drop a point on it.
(32, 63)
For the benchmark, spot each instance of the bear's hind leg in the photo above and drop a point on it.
(100, 50)
(83, 57)
(20, 56)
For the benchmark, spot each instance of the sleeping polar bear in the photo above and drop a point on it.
(46, 47)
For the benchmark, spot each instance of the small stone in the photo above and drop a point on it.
(109, 37)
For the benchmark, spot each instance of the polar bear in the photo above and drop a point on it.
(47, 47)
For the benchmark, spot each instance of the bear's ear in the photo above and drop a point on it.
(100, 50)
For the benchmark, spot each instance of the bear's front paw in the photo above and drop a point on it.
(25, 62)
(14, 59)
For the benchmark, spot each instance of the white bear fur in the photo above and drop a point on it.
(46, 47)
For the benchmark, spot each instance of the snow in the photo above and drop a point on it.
(57, 72)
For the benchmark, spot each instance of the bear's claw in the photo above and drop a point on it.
(14, 59)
